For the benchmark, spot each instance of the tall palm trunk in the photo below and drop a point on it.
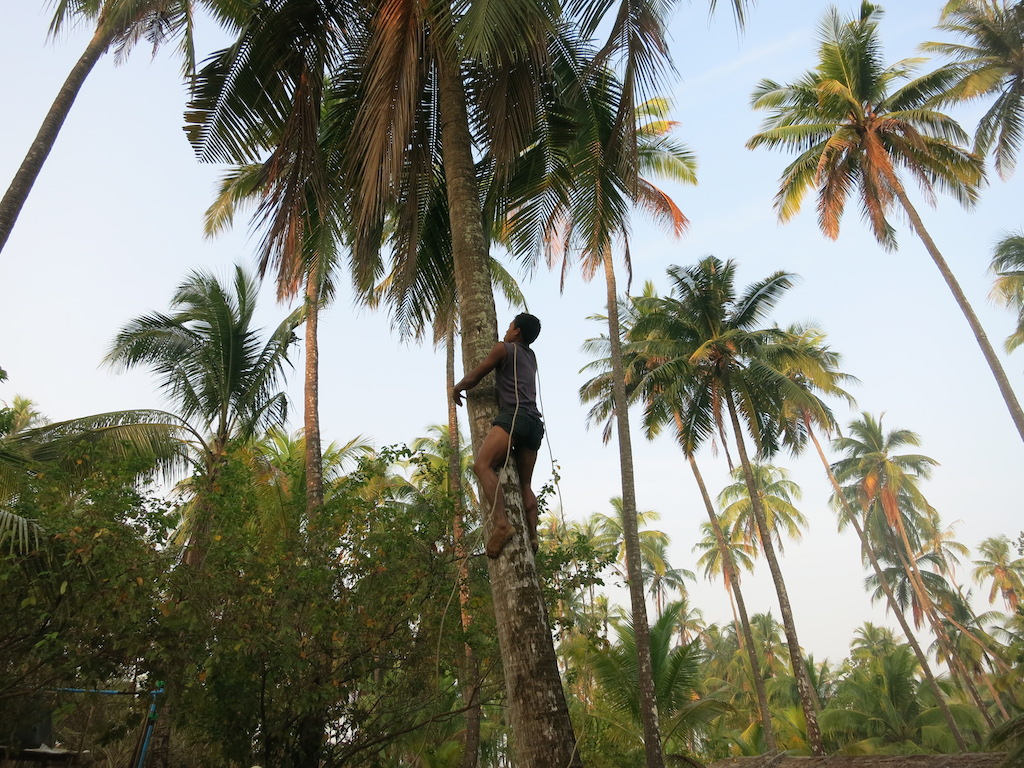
(26, 175)
(313, 724)
(890, 598)
(471, 672)
(655, 757)
(808, 696)
(537, 710)
(733, 582)
(311, 401)
(1009, 397)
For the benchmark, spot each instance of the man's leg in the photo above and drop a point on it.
(525, 461)
(489, 459)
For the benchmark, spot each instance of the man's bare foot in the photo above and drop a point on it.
(500, 536)
(534, 543)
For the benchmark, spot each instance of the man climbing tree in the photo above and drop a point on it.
(516, 432)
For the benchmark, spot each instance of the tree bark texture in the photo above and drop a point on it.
(471, 670)
(311, 400)
(800, 674)
(26, 175)
(654, 755)
(313, 724)
(537, 709)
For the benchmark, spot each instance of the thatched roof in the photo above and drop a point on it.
(963, 760)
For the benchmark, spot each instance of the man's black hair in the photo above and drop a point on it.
(528, 325)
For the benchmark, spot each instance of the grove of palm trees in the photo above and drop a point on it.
(776, 255)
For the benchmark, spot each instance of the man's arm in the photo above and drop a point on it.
(471, 379)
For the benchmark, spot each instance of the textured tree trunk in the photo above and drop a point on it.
(756, 669)
(1009, 397)
(890, 598)
(471, 671)
(655, 756)
(803, 682)
(313, 724)
(26, 175)
(537, 710)
(311, 403)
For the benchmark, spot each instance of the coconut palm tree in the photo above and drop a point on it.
(878, 477)
(611, 533)
(723, 371)
(661, 407)
(683, 711)
(885, 486)
(802, 420)
(711, 561)
(420, 72)
(221, 374)
(988, 61)
(881, 706)
(997, 564)
(941, 541)
(777, 493)
(416, 105)
(1008, 287)
(305, 261)
(593, 196)
(661, 577)
(659, 375)
(855, 133)
(871, 641)
(278, 464)
(299, 129)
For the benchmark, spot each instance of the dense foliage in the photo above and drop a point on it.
(281, 605)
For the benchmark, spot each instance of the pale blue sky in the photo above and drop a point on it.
(114, 223)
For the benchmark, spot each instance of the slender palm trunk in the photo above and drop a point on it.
(808, 696)
(537, 709)
(313, 724)
(890, 598)
(311, 402)
(985, 648)
(904, 552)
(471, 672)
(732, 579)
(995, 695)
(26, 175)
(987, 655)
(655, 757)
(956, 667)
(1009, 397)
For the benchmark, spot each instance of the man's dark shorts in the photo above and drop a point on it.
(528, 432)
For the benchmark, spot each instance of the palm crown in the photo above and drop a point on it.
(856, 131)
(989, 60)
(224, 379)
